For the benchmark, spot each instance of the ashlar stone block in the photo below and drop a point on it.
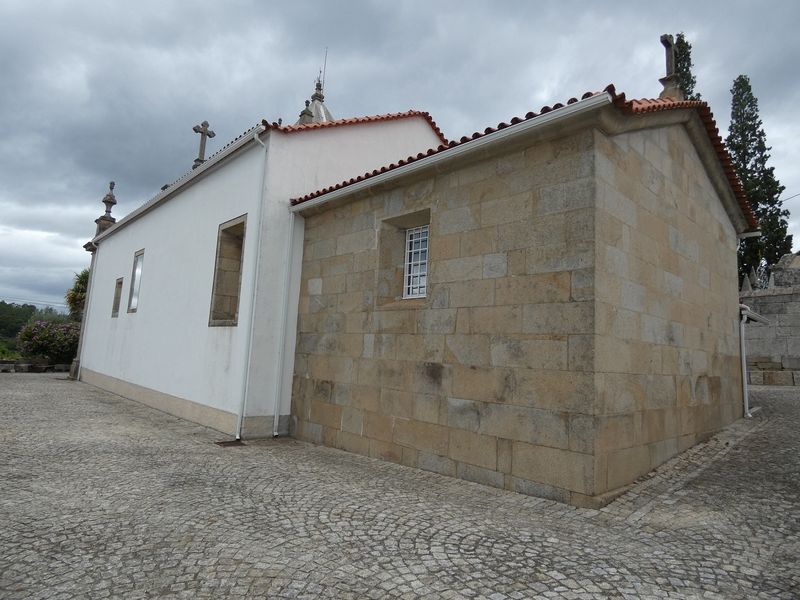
(552, 466)
(474, 449)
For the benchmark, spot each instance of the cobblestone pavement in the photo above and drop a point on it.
(101, 497)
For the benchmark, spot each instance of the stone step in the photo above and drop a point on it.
(774, 377)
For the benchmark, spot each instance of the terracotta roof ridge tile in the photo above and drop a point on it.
(445, 146)
(619, 100)
(651, 105)
(358, 120)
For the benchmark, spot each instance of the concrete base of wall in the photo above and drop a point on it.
(220, 420)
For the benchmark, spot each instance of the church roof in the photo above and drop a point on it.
(640, 106)
(357, 120)
(245, 138)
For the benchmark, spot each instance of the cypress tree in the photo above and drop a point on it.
(747, 145)
(683, 67)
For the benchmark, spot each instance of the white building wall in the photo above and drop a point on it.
(297, 164)
(167, 345)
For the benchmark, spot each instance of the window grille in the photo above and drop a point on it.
(415, 278)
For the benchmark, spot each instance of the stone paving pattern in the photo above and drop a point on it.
(101, 497)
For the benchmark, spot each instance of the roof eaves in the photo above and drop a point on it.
(420, 160)
(647, 105)
(640, 106)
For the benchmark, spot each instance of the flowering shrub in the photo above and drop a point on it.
(56, 341)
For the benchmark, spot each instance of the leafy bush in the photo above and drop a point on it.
(56, 341)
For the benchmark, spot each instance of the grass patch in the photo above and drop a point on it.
(8, 349)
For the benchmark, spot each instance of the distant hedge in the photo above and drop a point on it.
(56, 341)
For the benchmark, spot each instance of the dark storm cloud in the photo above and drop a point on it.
(97, 91)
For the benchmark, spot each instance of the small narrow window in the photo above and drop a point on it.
(415, 277)
(117, 297)
(136, 281)
(228, 273)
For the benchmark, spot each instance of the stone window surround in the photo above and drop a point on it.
(240, 221)
(136, 282)
(392, 259)
(117, 298)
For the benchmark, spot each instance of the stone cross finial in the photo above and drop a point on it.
(204, 132)
(672, 88)
(669, 47)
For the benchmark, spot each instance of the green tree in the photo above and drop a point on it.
(683, 67)
(13, 317)
(76, 295)
(747, 145)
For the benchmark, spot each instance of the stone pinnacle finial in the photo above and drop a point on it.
(317, 95)
(306, 116)
(104, 221)
(672, 88)
(109, 200)
(315, 110)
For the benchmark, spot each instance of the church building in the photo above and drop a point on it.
(548, 306)
(193, 296)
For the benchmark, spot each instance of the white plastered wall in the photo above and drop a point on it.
(297, 164)
(167, 344)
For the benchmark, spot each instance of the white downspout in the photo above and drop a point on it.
(742, 320)
(251, 327)
(280, 364)
(85, 317)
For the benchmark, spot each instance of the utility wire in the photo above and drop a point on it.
(789, 198)
(32, 301)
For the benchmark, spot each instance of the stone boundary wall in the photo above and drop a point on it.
(773, 351)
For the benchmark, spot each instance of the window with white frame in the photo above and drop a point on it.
(415, 276)
(136, 281)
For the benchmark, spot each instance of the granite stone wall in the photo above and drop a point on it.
(667, 364)
(490, 377)
(773, 350)
(580, 328)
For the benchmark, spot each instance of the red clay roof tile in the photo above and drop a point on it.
(646, 105)
(356, 120)
(639, 106)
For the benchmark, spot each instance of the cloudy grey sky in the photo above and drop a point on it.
(94, 91)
